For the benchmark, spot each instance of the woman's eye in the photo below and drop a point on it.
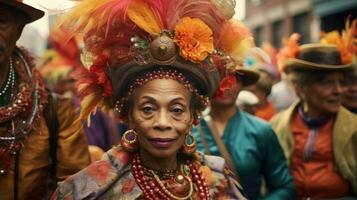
(147, 109)
(326, 82)
(177, 110)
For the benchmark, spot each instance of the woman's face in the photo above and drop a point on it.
(323, 96)
(161, 116)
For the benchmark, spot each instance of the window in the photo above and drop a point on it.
(258, 36)
(301, 25)
(278, 32)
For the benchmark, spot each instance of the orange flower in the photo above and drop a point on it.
(194, 39)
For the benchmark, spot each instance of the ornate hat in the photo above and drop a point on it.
(317, 57)
(334, 52)
(128, 42)
(33, 13)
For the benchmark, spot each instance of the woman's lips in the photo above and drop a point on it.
(162, 142)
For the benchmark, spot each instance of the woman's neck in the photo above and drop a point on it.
(312, 112)
(159, 164)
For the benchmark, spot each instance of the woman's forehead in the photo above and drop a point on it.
(163, 88)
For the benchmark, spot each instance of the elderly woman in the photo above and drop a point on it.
(318, 135)
(156, 63)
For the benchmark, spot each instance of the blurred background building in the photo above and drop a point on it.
(270, 20)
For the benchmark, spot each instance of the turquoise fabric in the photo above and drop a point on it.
(256, 154)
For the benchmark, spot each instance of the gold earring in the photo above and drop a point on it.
(129, 141)
(189, 146)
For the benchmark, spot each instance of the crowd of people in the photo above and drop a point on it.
(170, 99)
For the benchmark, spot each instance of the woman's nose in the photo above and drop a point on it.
(162, 121)
(339, 88)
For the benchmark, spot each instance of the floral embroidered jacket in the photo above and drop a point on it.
(111, 178)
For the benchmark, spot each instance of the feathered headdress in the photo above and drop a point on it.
(62, 58)
(345, 42)
(117, 32)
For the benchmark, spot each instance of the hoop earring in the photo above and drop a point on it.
(129, 141)
(189, 146)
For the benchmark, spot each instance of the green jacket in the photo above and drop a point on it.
(344, 140)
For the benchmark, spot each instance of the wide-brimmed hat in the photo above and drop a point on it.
(317, 57)
(33, 13)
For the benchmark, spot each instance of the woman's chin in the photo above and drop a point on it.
(163, 152)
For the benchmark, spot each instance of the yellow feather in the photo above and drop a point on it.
(90, 25)
(80, 15)
(235, 39)
(240, 50)
(88, 106)
(141, 14)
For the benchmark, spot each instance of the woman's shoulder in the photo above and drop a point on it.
(253, 124)
(222, 182)
(97, 177)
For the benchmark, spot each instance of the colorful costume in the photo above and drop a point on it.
(246, 137)
(319, 139)
(32, 147)
(344, 142)
(111, 178)
(127, 45)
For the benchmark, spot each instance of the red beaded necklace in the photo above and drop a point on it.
(154, 190)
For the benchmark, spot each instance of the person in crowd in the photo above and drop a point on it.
(155, 66)
(260, 61)
(59, 63)
(349, 98)
(318, 135)
(346, 39)
(39, 143)
(265, 109)
(248, 144)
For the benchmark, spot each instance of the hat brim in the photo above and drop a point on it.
(33, 13)
(205, 81)
(294, 64)
(247, 76)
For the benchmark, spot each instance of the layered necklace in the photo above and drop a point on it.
(21, 115)
(158, 185)
(9, 85)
